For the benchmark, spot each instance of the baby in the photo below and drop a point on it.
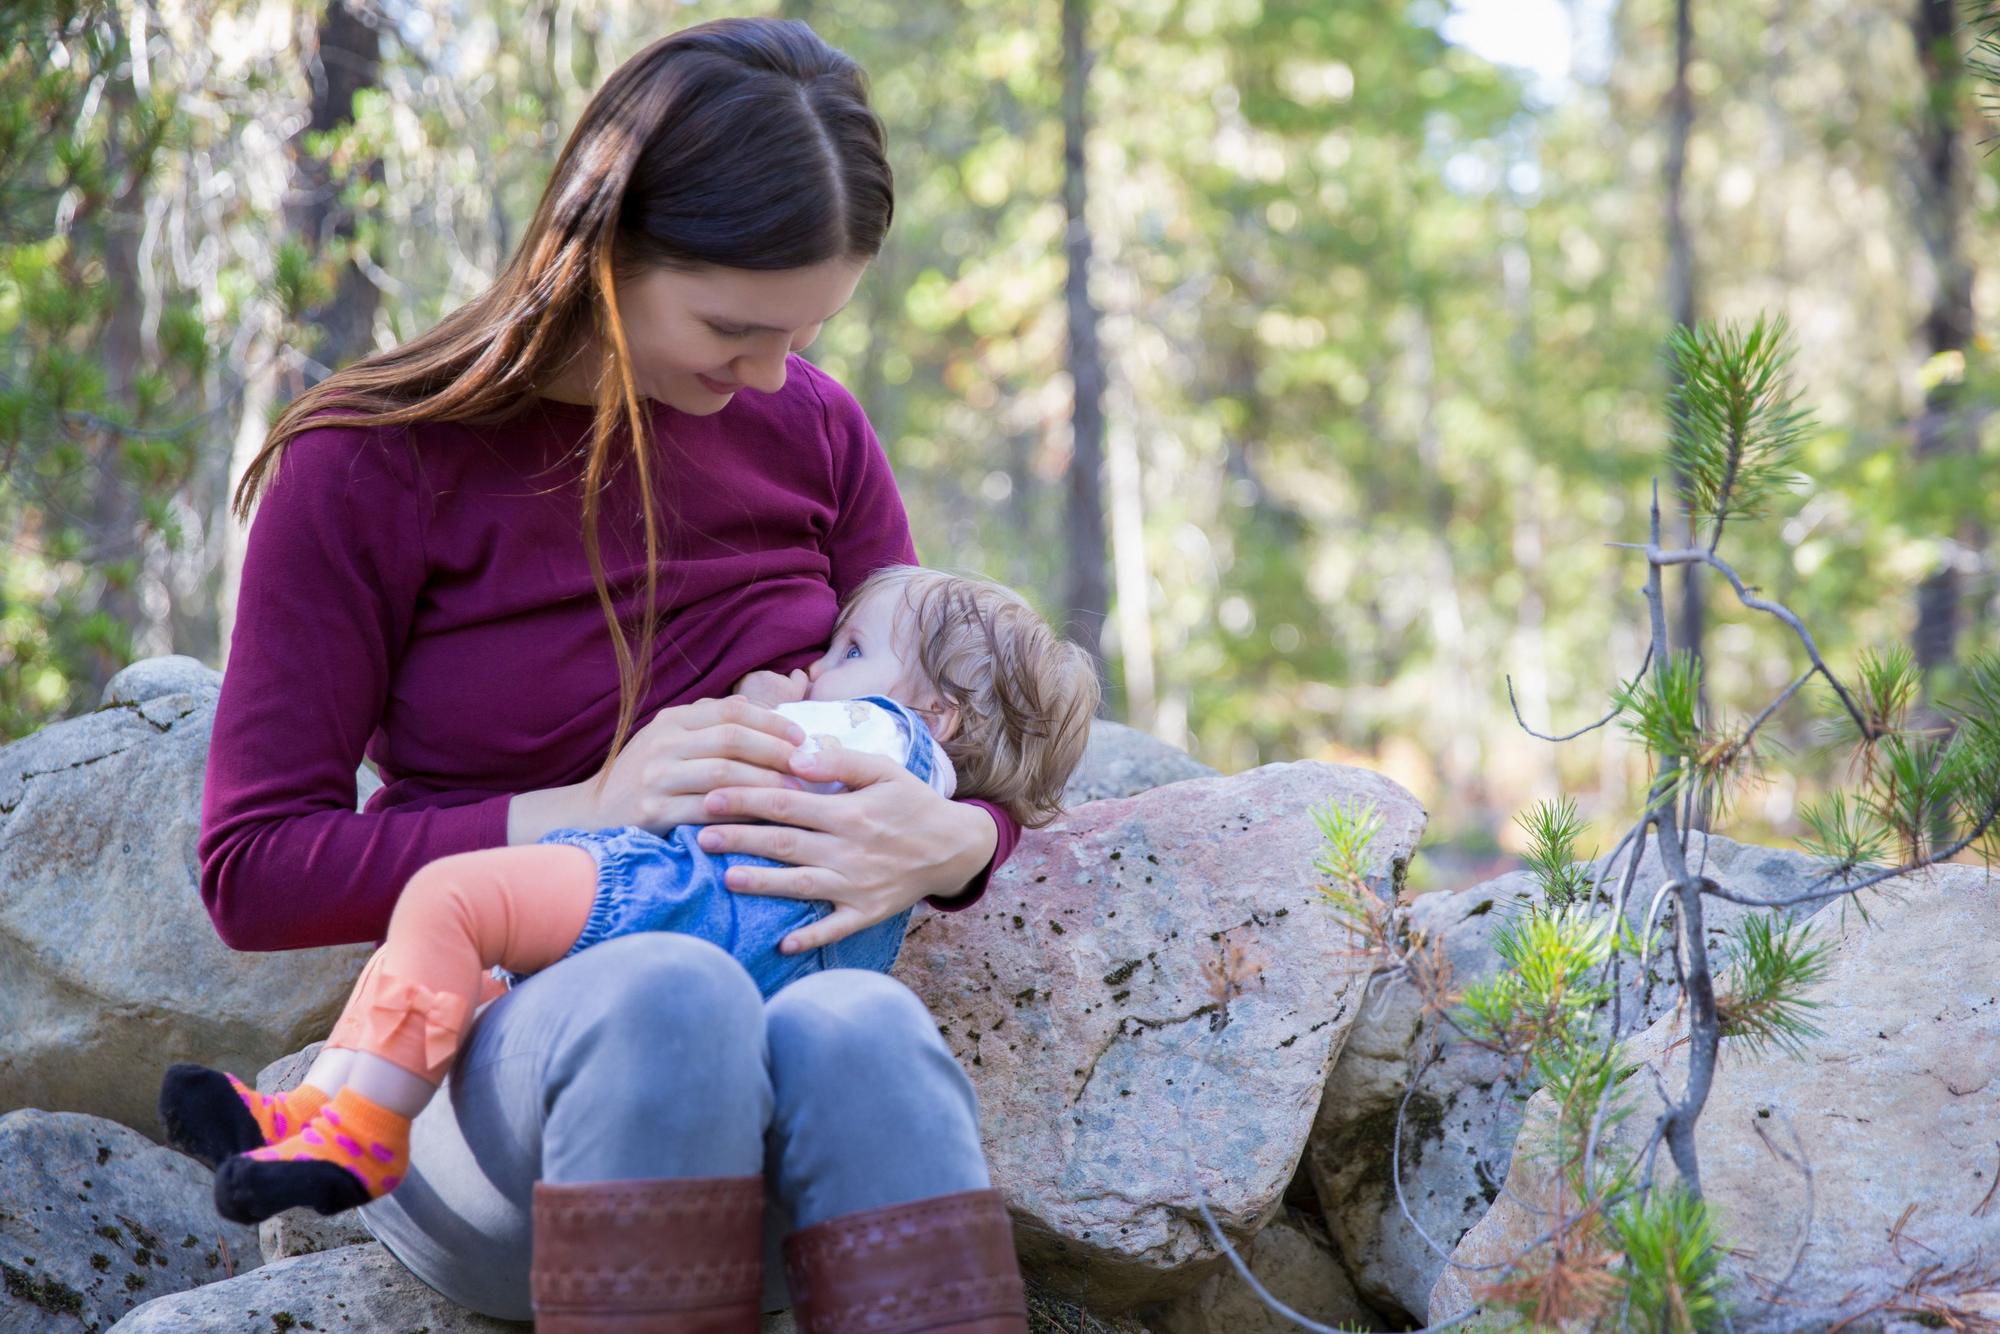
(955, 678)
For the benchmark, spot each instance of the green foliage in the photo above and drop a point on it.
(1665, 712)
(1843, 833)
(1550, 982)
(102, 365)
(1886, 685)
(1736, 440)
(1737, 426)
(1759, 1000)
(1673, 1265)
(1921, 791)
(1662, 709)
(297, 280)
(1347, 835)
(1918, 780)
(1553, 828)
(1348, 831)
(1976, 712)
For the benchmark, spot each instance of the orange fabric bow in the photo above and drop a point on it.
(397, 1001)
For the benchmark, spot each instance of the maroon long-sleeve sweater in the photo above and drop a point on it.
(423, 597)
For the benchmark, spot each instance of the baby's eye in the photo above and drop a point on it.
(853, 651)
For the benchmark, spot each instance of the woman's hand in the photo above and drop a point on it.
(683, 753)
(871, 851)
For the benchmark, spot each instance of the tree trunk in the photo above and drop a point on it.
(113, 520)
(345, 59)
(1089, 598)
(1939, 172)
(1680, 272)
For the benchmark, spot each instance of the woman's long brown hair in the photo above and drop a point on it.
(742, 143)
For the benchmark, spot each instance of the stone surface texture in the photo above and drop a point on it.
(150, 678)
(1080, 994)
(1895, 1107)
(1122, 761)
(362, 1289)
(1295, 1261)
(109, 967)
(95, 1219)
(1460, 1123)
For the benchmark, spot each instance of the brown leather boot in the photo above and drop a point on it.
(657, 1256)
(944, 1265)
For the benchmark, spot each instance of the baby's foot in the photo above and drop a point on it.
(350, 1152)
(211, 1114)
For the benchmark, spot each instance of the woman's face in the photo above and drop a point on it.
(698, 337)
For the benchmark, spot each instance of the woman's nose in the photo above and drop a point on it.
(764, 373)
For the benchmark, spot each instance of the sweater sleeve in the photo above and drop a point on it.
(332, 569)
(871, 530)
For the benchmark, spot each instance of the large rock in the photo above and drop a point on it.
(1122, 761)
(150, 678)
(109, 967)
(1463, 1116)
(1295, 1261)
(95, 1219)
(353, 1288)
(1895, 1107)
(1079, 996)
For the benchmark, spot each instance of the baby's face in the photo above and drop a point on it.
(871, 652)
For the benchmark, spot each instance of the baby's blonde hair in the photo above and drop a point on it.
(1025, 696)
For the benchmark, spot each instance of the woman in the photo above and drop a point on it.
(416, 584)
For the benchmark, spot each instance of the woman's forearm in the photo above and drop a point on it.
(968, 868)
(997, 833)
(533, 814)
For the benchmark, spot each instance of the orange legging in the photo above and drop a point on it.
(521, 907)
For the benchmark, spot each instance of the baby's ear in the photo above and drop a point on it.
(944, 721)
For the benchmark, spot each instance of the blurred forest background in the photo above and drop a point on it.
(1367, 369)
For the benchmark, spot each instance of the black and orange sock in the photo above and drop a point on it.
(350, 1152)
(211, 1114)
(280, 1115)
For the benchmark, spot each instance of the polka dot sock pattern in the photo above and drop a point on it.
(211, 1115)
(279, 1115)
(349, 1152)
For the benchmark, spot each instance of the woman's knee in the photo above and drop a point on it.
(656, 1066)
(868, 1104)
(655, 994)
(846, 1019)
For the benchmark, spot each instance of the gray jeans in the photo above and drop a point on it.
(653, 1055)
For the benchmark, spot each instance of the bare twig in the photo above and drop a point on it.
(1775, 705)
(1569, 736)
(1869, 882)
(1657, 557)
(1980, 1210)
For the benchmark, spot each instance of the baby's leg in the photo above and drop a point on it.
(520, 907)
(211, 1114)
